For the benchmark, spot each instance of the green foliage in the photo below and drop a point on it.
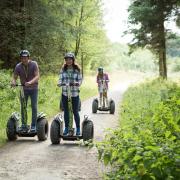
(140, 60)
(8, 101)
(178, 15)
(173, 54)
(49, 95)
(88, 87)
(50, 28)
(173, 47)
(147, 19)
(174, 64)
(148, 28)
(27, 25)
(147, 144)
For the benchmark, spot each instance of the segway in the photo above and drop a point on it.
(103, 106)
(56, 131)
(13, 128)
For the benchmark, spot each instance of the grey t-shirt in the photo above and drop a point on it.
(27, 73)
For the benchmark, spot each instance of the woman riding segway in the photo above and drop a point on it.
(70, 80)
(70, 75)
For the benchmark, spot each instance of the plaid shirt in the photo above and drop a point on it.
(70, 76)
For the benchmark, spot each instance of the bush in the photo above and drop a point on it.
(146, 146)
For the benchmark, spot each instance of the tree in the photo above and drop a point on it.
(147, 18)
(91, 41)
(178, 16)
(48, 29)
(24, 24)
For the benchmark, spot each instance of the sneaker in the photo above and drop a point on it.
(65, 131)
(33, 129)
(78, 132)
(23, 128)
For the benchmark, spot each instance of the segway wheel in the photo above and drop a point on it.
(112, 107)
(55, 132)
(94, 106)
(42, 129)
(11, 130)
(88, 130)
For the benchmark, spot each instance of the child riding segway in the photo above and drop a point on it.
(70, 80)
(103, 104)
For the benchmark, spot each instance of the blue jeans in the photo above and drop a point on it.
(33, 94)
(75, 107)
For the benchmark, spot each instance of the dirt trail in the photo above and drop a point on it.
(28, 158)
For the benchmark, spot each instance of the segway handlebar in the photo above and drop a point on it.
(68, 84)
(103, 80)
(15, 85)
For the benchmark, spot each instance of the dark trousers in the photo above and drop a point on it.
(33, 94)
(75, 107)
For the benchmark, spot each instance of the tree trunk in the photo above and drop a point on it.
(162, 46)
(22, 27)
(78, 25)
(162, 64)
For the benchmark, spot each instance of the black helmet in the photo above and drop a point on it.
(69, 55)
(24, 53)
(100, 69)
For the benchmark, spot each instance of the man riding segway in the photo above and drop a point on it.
(28, 72)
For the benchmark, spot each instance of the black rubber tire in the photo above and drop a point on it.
(88, 130)
(112, 107)
(42, 129)
(94, 106)
(11, 130)
(55, 132)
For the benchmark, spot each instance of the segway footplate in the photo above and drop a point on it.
(103, 108)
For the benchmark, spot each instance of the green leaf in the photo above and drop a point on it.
(106, 158)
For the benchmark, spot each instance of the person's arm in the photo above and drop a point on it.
(97, 80)
(107, 78)
(36, 77)
(14, 78)
(60, 81)
(79, 79)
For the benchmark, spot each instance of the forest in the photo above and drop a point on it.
(49, 28)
